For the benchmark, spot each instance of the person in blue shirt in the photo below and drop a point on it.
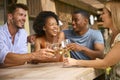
(86, 43)
(111, 19)
(13, 39)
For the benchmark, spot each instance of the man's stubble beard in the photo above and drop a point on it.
(16, 26)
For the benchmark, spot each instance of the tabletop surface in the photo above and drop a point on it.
(48, 71)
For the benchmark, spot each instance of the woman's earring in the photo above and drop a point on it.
(44, 29)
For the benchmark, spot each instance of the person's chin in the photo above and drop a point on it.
(54, 35)
(104, 25)
(75, 30)
(20, 27)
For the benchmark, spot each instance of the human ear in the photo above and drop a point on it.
(85, 21)
(10, 16)
(44, 28)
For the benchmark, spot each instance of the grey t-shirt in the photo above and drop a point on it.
(88, 40)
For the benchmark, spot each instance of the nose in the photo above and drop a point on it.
(101, 16)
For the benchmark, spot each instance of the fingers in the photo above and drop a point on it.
(65, 62)
(71, 46)
(43, 54)
(49, 50)
(49, 55)
(74, 47)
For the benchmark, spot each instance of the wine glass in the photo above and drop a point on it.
(65, 51)
(53, 46)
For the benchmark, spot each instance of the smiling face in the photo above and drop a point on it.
(18, 18)
(51, 27)
(106, 18)
(79, 22)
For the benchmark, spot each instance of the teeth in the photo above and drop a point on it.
(55, 30)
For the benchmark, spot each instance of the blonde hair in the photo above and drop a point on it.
(113, 8)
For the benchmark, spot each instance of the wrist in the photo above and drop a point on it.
(83, 49)
(29, 57)
(77, 62)
(32, 56)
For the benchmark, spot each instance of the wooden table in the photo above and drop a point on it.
(48, 71)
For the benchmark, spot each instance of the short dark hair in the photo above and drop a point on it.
(12, 7)
(40, 21)
(82, 12)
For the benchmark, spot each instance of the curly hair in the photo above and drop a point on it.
(40, 21)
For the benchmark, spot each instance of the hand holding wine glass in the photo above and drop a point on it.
(53, 46)
(65, 51)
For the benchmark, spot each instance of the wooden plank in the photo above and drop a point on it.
(48, 71)
(102, 1)
(81, 5)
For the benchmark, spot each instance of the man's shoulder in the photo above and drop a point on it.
(96, 34)
(3, 29)
(67, 31)
(93, 31)
(23, 31)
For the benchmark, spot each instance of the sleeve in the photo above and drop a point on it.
(117, 39)
(3, 47)
(98, 37)
(23, 42)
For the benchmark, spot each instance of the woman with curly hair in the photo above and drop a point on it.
(47, 32)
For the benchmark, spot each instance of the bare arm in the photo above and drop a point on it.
(96, 53)
(37, 45)
(13, 59)
(110, 59)
(56, 58)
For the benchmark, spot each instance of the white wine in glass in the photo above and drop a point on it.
(65, 51)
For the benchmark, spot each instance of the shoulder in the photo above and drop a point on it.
(117, 38)
(61, 33)
(3, 27)
(22, 32)
(95, 33)
(3, 30)
(40, 42)
(67, 31)
(40, 39)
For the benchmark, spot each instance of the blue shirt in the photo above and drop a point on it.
(6, 46)
(88, 40)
